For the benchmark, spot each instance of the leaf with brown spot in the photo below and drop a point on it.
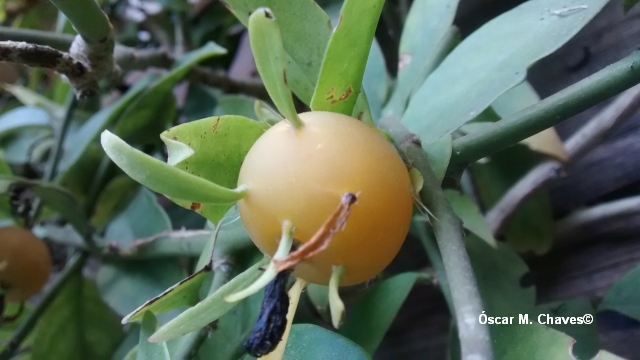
(321, 239)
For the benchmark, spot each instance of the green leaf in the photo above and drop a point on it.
(529, 341)
(241, 105)
(340, 81)
(425, 41)
(75, 177)
(502, 50)
(183, 294)
(605, 355)
(305, 30)
(19, 147)
(586, 335)
(111, 199)
(624, 295)
(29, 97)
(212, 149)
(470, 215)
(368, 321)
(209, 309)
(498, 273)
(22, 118)
(54, 197)
(530, 228)
(77, 325)
(140, 123)
(376, 81)
(164, 178)
(311, 342)
(270, 58)
(7, 329)
(439, 153)
(146, 349)
(628, 4)
(76, 146)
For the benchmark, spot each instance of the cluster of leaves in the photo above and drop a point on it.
(438, 94)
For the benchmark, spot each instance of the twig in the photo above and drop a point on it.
(42, 56)
(475, 341)
(597, 214)
(625, 106)
(574, 99)
(74, 265)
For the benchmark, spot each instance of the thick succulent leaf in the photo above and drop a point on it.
(54, 197)
(146, 349)
(522, 96)
(77, 325)
(164, 178)
(502, 50)
(586, 335)
(270, 58)
(530, 228)
(470, 215)
(311, 342)
(368, 321)
(140, 123)
(183, 294)
(25, 117)
(340, 82)
(209, 309)
(423, 45)
(624, 295)
(215, 149)
(439, 154)
(305, 32)
(78, 144)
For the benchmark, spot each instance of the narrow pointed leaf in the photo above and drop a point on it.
(266, 44)
(470, 215)
(209, 309)
(78, 144)
(375, 82)
(184, 293)
(502, 50)
(218, 146)
(340, 81)
(624, 295)
(305, 30)
(424, 42)
(29, 97)
(147, 350)
(164, 178)
(368, 321)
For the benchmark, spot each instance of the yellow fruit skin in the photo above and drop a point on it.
(300, 175)
(25, 263)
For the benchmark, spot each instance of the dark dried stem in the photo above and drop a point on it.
(585, 139)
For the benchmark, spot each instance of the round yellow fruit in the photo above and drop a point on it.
(25, 263)
(300, 174)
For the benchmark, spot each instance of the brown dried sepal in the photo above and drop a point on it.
(321, 239)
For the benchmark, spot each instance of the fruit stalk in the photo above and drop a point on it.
(475, 340)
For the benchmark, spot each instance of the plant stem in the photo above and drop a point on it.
(69, 108)
(574, 99)
(475, 341)
(87, 19)
(57, 41)
(74, 265)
